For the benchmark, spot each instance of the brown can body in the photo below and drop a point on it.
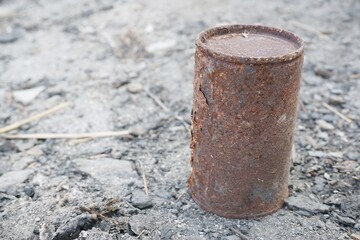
(243, 119)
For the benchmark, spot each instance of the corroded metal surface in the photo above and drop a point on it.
(243, 120)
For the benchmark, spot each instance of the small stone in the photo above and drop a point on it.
(163, 194)
(353, 155)
(244, 229)
(336, 100)
(8, 146)
(346, 221)
(104, 226)
(335, 154)
(355, 236)
(37, 219)
(140, 200)
(231, 237)
(317, 154)
(327, 176)
(350, 206)
(36, 230)
(357, 226)
(320, 224)
(26, 96)
(102, 150)
(134, 87)
(72, 228)
(314, 168)
(108, 171)
(167, 232)
(8, 37)
(306, 204)
(29, 191)
(304, 213)
(324, 125)
(13, 178)
(174, 211)
(323, 72)
(312, 80)
(323, 135)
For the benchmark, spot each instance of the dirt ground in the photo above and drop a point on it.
(116, 62)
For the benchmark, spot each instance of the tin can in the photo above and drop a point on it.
(246, 88)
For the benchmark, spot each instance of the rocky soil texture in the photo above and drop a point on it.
(127, 65)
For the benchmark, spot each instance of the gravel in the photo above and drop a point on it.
(306, 204)
(140, 200)
(104, 58)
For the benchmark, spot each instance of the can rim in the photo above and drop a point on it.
(226, 29)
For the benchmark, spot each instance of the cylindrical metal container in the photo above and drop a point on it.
(246, 88)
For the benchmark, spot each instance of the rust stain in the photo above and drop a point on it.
(243, 120)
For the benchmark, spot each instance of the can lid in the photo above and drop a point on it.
(250, 44)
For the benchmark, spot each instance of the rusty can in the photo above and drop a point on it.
(246, 88)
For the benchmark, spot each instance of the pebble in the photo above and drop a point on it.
(324, 125)
(140, 200)
(314, 168)
(304, 213)
(72, 228)
(323, 135)
(163, 194)
(353, 155)
(335, 154)
(323, 72)
(306, 204)
(134, 87)
(167, 232)
(8, 146)
(350, 206)
(312, 80)
(231, 237)
(102, 150)
(317, 154)
(13, 178)
(108, 171)
(336, 100)
(26, 96)
(29, 191)
(346, 220)
(8, 37)
(357, 226)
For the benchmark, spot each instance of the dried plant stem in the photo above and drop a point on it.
(124, 133)
(332, 109)
(33, 118)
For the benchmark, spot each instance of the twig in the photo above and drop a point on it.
(309, 29)
(124, 133)
(180, 197)
(303, 106)
(144, 179)
(33, 118)
(141, 233)
(242, 236)
(354, 76)
(337, 112)
(165, 108)
(186, 126)
(157, 100)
